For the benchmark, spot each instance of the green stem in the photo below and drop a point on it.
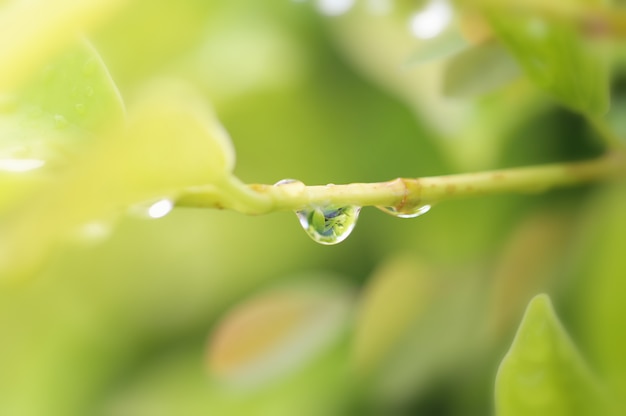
(401, 192)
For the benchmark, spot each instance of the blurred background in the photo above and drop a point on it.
(211, 312)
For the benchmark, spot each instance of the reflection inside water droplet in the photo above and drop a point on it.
(329, 225)
(406, 212)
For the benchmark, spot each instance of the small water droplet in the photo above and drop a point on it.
(286, 182)
(88, 91)
(329, 225)
(60, 122)
(160, 209)
(153, 209)
(93, 232)
(406, 212)
(89, 68)
(80, 108)
(292, 186)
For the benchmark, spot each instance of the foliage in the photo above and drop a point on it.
(112, 305)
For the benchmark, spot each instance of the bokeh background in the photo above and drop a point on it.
(211, 312)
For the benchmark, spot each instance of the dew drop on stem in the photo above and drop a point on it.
(330, 224)
(326, 225)
(406, 212)
(153, 209)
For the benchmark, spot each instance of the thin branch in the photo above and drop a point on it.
(401, 192)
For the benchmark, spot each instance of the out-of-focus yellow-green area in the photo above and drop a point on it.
(112, 305)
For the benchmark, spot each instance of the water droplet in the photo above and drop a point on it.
(292, 186)
(329, 225)
(89, 68)
(431, 20)
(93, 232)
(20, 165)
(80, 108)
(60, 122)
(286, 182)
(160, 209)
(334, 7)
(88, 91)
(153, 209)
(406, 212)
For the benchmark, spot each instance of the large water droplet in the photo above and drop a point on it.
(406, 212)
(330, 224)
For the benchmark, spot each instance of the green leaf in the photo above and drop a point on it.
(438, 47)
(32, 32)
(172, 141)
(602, 301)
(558, 59)
(75, 89)
(52, 117)
(543, 373)
(398, 294)
(479, 70)
(278, 331)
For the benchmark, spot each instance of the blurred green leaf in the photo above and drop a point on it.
(71, 99)
(602, 297)
(528, 264)
(434, 342)
(278, 331)
(557, 57)
(543, 373)
(174, 386)
(172, 141)
(75, 88)
(32, 32)
(438, 47)
(396, 295)
(479, 70)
